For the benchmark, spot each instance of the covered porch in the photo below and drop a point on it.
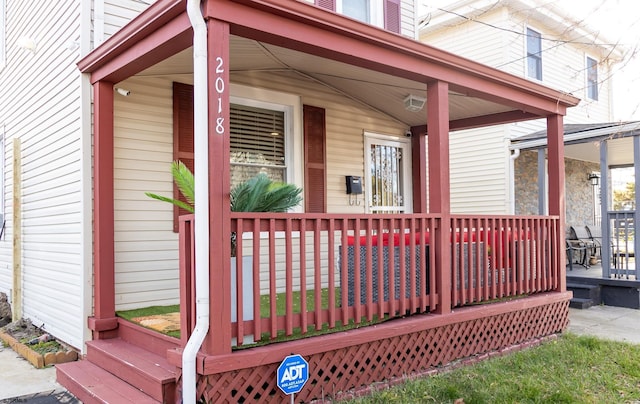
(448, 286)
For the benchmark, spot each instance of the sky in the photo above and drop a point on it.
(618, 21)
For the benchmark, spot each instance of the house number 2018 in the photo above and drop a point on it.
(219, 89)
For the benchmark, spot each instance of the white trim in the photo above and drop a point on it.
(291, 105)
(396, 141)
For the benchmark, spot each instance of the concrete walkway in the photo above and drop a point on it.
(615, 323)
(22, 383)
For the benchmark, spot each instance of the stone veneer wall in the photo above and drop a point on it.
(579, 192)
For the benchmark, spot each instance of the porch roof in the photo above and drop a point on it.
(372, 66)
(580, 139)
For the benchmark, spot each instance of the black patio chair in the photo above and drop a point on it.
(581, 234)
(576, 247)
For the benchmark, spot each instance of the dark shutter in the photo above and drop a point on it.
(182, 137)
(328, 4)
(392, 15)
(314, 160)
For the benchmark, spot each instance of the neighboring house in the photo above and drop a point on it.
(540, 42)
(310, 97)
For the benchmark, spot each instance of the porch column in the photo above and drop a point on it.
(605, 197)
(555, 142)
(439, 186)
(636, 211)
(219, 338)
(419, 169)
(104, 318)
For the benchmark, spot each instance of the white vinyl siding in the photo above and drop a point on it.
(480, 157)
(117, 13)
(479, 171)
(3, 46)
(146, 247)
(40, 106)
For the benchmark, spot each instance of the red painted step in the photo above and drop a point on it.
(91, 384)
(149, 372)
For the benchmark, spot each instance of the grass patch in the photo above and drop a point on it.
(281, 301)
(151, 311)
(571, 369)
(148, 311)
(44, 347)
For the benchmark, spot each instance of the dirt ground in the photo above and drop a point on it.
(22, 330)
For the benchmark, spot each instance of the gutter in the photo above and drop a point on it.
(201, 147)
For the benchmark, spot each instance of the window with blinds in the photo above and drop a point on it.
(257, 138)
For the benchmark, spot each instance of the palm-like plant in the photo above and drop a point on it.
(257, 194)
(260, 194)
(183, 177)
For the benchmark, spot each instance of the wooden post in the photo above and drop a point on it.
(16, 295)
(219, 339)
(555, 142)
(419, 169)
(439, 185)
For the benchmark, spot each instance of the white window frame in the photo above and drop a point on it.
(586, 78)
(407, 184)
(376, 12)
(526, 52)
(290, 104)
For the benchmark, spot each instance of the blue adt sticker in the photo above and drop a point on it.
(292, 374)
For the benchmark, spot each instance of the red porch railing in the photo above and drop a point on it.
(298, 273)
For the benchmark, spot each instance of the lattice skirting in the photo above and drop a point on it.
(335, 372)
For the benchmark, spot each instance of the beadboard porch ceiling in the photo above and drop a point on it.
(380, 91)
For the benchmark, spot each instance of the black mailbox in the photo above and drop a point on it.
(354, 185)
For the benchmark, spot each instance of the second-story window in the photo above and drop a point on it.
(381, 13)
(592, 79)
(534, 54)
(358, 9)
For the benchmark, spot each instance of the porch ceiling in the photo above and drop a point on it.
(379, 91)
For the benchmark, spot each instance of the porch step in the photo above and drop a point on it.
(584, 295)
(147, 371)
(92, 384)
(579, 303)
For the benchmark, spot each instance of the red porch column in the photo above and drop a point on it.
(439, 185)
(419, 169)
(555, 142)
(219, 338)
(103, 227)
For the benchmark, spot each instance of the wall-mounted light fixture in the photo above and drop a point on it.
(594, 179)
(414, 103)
(27, 43)
(123, 92)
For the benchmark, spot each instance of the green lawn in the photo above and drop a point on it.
(571, 369)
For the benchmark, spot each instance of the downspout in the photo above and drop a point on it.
(512, 180)
(201, 146)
